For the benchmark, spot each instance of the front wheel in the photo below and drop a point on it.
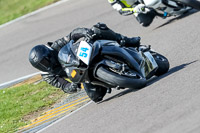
(192, 3)
(163, 64)
(131, 80)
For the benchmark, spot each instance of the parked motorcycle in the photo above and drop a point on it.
(105, 63)
(166, 8)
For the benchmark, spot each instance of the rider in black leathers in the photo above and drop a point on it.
(44, 58)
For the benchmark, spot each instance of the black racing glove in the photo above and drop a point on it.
(131, 42)
(58, 44)
(101, 31)
(72, 88)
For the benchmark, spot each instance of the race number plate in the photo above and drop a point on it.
(84, 52)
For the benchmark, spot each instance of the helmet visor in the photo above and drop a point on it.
(45, 64)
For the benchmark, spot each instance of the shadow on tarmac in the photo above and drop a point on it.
(151, 81)
(190, 12)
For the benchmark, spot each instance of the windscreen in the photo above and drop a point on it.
(66, 56)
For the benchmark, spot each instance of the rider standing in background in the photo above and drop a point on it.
(143, 14)
(45, 58)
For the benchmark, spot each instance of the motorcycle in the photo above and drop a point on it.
(166, 8)
(107, 64)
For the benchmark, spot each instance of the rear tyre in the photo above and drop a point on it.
(116, 79)
(192, 3)
(163, 64)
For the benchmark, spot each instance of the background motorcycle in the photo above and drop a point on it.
(172, 7)
(106, 64)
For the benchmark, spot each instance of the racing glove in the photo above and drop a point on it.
(72, 88)
(141, 8)
(130, 42)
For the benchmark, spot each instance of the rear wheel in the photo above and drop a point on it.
(163, 64)
(128, 80)
(192, 3)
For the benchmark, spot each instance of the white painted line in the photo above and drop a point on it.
(65, 117)
(34, 12)
(7, 84)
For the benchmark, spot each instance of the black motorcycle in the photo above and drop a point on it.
(105, 63)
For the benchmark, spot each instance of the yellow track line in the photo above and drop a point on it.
(58, 109)
(50, 111)
(55, 114)
(64, 105)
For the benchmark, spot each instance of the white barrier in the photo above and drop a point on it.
(13, 82)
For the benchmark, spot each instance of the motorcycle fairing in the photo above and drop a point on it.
(66, 56)
(149, 65)
(70, 62)
(122, 54)
(76, 75)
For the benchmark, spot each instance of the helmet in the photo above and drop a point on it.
(43, 58)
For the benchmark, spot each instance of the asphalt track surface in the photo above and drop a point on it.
(169, 103)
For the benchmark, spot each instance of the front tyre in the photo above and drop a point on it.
(192, 3)
(116, 79)
(163, 64)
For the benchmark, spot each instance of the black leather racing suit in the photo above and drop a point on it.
(98, 31)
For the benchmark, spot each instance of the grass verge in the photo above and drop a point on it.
(11, 9)
(18, 105)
